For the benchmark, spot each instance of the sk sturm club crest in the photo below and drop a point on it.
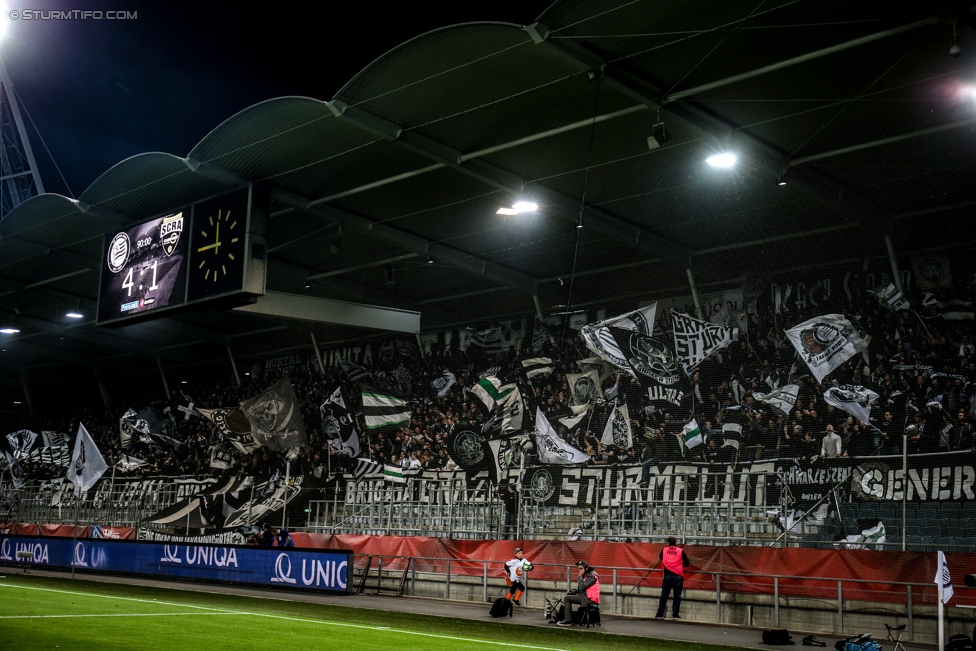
(654, 366)
(170, 230)
(467, 449)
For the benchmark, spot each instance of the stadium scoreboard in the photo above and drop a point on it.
(212, 250)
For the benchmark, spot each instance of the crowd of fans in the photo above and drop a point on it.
(922, 370)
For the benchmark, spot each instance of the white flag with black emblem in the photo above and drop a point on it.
(943, 579)
(782, 400)
(598, 338)
(553, 449)
(694, 340)
(826, 342)
(852, 398)
(444, 383)
(617, 432)
(87, 464)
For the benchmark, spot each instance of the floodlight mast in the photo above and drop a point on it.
(19, 176)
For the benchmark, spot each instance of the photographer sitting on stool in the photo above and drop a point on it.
(587, 591)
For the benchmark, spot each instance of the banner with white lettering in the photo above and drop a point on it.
(694, 340)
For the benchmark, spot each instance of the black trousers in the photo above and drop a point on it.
(675, 583)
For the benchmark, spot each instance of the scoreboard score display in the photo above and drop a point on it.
(145, 268)
(212, 249)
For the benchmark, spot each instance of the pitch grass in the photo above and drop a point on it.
(50, 613)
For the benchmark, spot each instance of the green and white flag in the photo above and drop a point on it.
(692, 434)
(491, 391)
(382, 409)
(394, 474)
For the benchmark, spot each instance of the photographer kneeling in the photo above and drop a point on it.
(587, 591)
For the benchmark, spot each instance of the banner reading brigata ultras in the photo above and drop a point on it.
(279, 567)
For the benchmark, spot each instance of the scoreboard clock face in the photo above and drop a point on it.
(218, 249)
(143, 268)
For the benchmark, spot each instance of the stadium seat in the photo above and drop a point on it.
(889, 511)
(950, 510)
(868, 510)
(954, 530)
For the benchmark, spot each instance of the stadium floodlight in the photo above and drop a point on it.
(725, 159)
(518, 208)
(9, 331)
(75, 315)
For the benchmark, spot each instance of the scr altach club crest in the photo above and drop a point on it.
(170, 229)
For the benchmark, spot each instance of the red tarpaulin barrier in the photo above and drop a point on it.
(743, 568)
(878, 569)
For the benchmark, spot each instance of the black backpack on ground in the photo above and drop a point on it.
(959, 643)
(501, 607)
(777, 636)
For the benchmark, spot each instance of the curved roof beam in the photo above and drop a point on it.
(714, 129)
(599, 220)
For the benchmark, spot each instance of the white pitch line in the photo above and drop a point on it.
(114, 615)
(295, 619)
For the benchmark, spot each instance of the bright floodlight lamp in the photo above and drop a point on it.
(9, 331)
(658, 137)
(518, 208)
(725, 159)
(75, 315)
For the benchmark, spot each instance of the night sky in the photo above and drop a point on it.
(100, 91)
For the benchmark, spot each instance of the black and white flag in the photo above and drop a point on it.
(540, 336)
(551, 448)
(221, 456)
(852, 398)
(339, 425)
(128, 464)
(617, 432)
(17, 476)
(234, 427)
(652, 363)
(537, 366)
(54, 439)
(51, 455)
(598, 338)
(732, 433)
(782, 400)
(87, 464)
(355, 372)
(402, 379)
(443, 384)
(490, 339)
(826, 342)
(584, 388)
(695, 340)
(365, 466)
(276, 417)
(22, 443)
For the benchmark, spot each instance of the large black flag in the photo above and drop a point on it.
(339, 425)
(654, 365)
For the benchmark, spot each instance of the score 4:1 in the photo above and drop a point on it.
(128, 284)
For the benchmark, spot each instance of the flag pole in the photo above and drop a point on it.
(941, 615)
(74, 532)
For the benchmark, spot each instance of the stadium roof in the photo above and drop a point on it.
(857, 107)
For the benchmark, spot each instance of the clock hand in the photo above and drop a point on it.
(208, 247)
(217, 236)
